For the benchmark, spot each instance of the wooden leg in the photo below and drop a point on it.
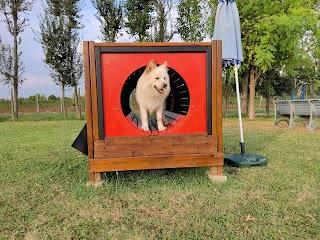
(216, 170)
(97, 177)
(216, 174)
(94, 179)
(91, 176)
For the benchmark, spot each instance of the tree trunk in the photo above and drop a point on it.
(15, 101)
(226, 102)
(62, 101)
(268, 103)
(77, 96)
(244, 99)
(311, 90)
(37, 103)
(226, 93)
(15, 66)
(253, 80)
(161, 22)
(268, 87)
(12, 106)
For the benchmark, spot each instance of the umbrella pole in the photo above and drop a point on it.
(243, 159)
(239, 109)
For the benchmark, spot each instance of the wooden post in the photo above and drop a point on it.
(216, 172)
(12, 107)
(91, 115)
(79, 102)
(37, 102)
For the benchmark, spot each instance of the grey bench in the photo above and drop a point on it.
(314, 114)
(296, 111)
(281, 111)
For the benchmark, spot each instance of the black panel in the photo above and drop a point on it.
(178, 100)
(99, 92)
(81, 142)
(209, 92)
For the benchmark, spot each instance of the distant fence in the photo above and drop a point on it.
(27, 105)
(260, 102)
(40, 100)
(42, 105)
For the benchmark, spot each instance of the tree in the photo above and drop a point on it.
(15, 24)
(209, 13)
(190, 21)
(110, 15)
(138, 18)
(37, 96)
(52, 97)
(227, 83)
(7, 64)
(273, 34)
(160, 22)
(277, 36)
(60, 42)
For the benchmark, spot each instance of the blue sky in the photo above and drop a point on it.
(36, 74)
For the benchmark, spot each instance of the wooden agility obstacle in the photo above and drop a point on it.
(115, 141)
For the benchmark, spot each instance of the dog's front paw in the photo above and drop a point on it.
(145, 128)
(161, 128)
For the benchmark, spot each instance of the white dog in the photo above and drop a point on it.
(153, 88)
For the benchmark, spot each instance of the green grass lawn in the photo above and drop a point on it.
(43, 193)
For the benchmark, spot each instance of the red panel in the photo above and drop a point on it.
(117, 67)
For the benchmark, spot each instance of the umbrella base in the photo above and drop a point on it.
(245, 160)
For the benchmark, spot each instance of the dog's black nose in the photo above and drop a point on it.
(164, 85)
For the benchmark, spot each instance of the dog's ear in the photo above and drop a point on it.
(151, 65)
(165, 65)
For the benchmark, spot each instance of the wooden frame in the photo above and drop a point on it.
(160, 151)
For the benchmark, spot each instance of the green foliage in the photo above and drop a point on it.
(6, 63)
(149, 20)
(39, 96)
(139, 19)
(12, 10)
(110, 15)
(161, 20)
(278, 36)
(60, 40)
(209, 12)
(52, 97)
(275, 32)
(190, 21)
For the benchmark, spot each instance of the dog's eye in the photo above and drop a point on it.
(157, 78)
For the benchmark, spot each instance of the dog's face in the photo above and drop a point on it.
(158, 77)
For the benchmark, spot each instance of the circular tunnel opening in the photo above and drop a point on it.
(177, 104)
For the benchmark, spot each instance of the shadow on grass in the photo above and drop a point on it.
(146, 179)
(231, 170)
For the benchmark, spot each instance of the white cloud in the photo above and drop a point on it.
(91, 28)
(37, 81)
